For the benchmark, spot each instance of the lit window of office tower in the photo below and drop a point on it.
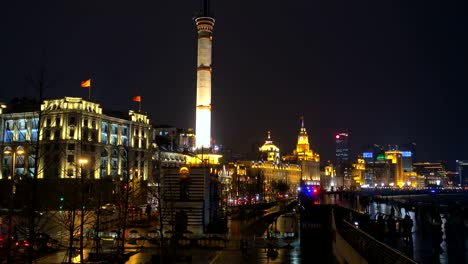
(342, 147)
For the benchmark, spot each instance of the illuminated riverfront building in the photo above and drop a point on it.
(358, 172)
(305, 157)
(462, 170)
(114, 145)
(395, 157)
(431, 173)
(269, 151)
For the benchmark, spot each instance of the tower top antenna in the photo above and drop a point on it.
(205, 10)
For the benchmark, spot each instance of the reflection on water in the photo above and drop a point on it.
(282, 236)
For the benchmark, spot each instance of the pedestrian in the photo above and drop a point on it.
(380, 228)
(437, 233)
(148, 211)
(391, 225)
(392, 211)
(407, 228)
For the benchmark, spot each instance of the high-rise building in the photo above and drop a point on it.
(343, 165)
(342, 147)
(462, 169)
(205, 23)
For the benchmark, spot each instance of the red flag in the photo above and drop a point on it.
(137, 98)
(86, 84)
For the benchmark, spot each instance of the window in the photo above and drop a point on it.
(47, 134)
(72, 121)
(57, 121)
(69, 172)
(22, 135)
(22, 124)
(34, 135)
(72, 133)
(114, 128)
(48, 122)
(71, 158)
(34, 123)
(85, 122)
(57, 134)
(93, 124)
(71, 146)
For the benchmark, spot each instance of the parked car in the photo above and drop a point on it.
(43, 243)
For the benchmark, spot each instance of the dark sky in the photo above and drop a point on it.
(386, 72)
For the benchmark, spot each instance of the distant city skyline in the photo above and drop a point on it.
(386, 74)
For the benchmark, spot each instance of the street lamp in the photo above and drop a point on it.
(82, 161)
(9, 151)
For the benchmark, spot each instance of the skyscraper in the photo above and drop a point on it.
(205, 23)
(343, 166)
(342, 147)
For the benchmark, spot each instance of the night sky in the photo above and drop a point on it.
(386, 72)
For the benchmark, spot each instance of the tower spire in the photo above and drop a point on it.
(205, 24)
(205, 10)
(302, 120)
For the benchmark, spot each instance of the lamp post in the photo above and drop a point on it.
(82, 161)
(13, 154)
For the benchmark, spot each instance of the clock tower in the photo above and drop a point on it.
(303, 151)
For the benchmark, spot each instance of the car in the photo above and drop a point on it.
(43, 244)
(108, 209)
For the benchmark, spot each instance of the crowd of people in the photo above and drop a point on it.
(396, 227)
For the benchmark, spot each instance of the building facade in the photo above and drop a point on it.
(67, 133)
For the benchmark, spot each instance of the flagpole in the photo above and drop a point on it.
(139, 106)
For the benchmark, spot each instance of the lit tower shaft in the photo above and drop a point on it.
(205, 24)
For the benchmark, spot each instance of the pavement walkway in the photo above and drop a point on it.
(421, 248)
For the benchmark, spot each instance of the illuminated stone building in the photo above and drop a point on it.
(358, 172)
(190, 192)
(114, 145)
(306, 158)
(395, 157)
(328, 177)
(430, 173)
(378, 172)
(269, 151)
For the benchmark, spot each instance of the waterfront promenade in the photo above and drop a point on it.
(420, 247)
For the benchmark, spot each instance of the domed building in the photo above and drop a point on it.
(269, 151)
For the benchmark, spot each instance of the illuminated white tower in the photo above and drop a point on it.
(205, 24)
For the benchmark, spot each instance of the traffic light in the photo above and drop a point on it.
(62, 199)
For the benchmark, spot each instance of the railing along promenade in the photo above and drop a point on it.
(372, 250)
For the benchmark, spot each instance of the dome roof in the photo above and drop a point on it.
(269, 146)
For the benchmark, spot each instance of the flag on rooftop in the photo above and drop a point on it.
(86, 84)
(137, 98)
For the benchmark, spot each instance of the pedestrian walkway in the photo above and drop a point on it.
(421, 248)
